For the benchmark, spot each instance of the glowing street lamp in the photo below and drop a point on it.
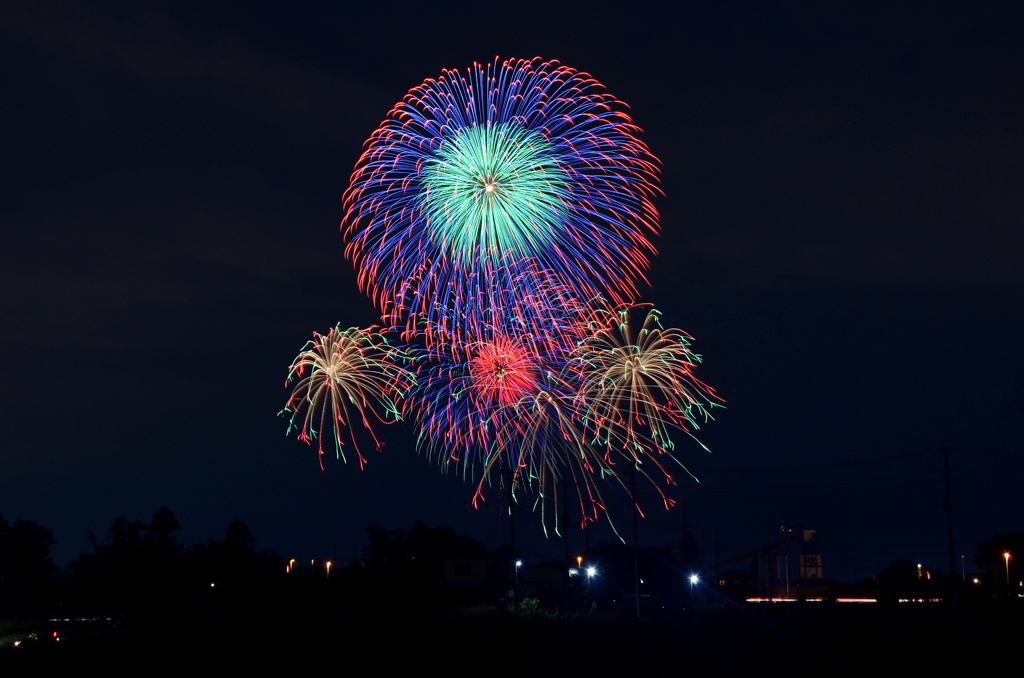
(519, 564)
(1007, 557)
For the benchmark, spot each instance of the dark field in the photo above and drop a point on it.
(766, 640)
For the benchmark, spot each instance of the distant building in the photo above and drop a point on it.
(790, 567)
(810, 559)
(465, 571)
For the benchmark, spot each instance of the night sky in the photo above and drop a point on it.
(841, 235)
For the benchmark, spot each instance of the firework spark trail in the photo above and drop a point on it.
(351, 368)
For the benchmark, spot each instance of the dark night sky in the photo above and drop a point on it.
(842, 235)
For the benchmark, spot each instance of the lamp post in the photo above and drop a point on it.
(1006, 556)
(519, 564)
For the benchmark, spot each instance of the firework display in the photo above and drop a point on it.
(639, 382)
(638, 385)
(342, 375)
(473, 393)
(513, 163)
(500, 219)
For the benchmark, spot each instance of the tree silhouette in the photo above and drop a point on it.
(232, 559)
(137, 568)
(26, 568)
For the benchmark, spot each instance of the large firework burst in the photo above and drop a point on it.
(501, 395)
(638, 385)
(487, 363)
(344, 375)
(515, 163)
(503, 405)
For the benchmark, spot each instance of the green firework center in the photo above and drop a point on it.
(494, 190)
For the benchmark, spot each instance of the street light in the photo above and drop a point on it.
(1007, 557)
(519, 564)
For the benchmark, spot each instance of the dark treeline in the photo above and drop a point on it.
(429, 597)
(141, 571)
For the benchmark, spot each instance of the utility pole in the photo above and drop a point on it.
(507, 477)
(565, 534)
(636, 542)
(948, 505)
